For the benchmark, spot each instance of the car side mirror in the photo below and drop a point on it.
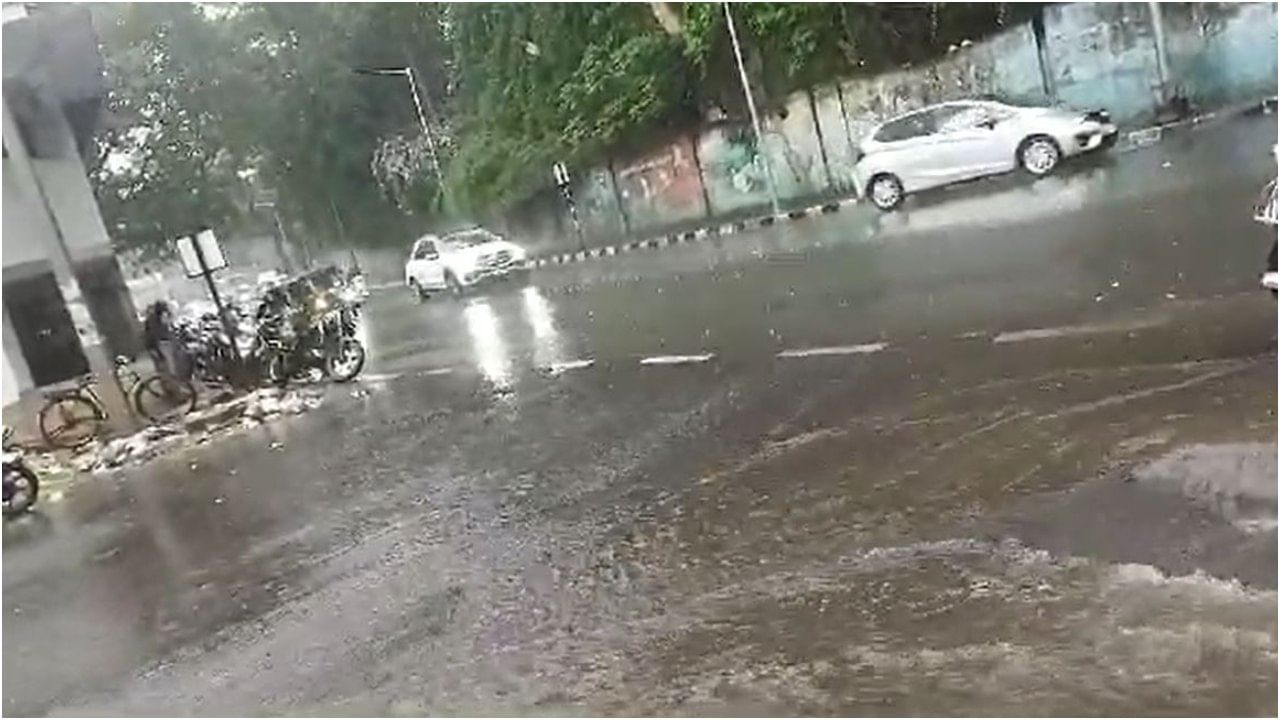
(989, 123)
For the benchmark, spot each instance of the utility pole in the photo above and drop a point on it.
(417, 106)
(426, 129)
(751, 107)
(1162, 58)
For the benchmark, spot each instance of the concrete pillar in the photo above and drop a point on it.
(1038, 32)
(65, 211)
(1162, 56)
(17, 374)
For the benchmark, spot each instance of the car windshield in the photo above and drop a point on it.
(470, 238)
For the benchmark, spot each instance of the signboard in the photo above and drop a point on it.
(206, 244)
(562, 174)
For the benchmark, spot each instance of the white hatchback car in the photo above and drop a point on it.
(459, 260)
(956, 141)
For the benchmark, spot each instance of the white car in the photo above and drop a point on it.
(955, 141)
(459, 260)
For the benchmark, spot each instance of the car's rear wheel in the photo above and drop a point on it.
(1039, 155)
(885, 191)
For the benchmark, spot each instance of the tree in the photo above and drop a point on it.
(539, 84)
(164, 168)
(210, 93)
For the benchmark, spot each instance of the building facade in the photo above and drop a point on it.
(67, 309)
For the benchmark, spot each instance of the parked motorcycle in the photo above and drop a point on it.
(20, 485)
(333, 336)
(206, 346)
(305, 331)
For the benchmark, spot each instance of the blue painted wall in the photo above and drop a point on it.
(1221, 53)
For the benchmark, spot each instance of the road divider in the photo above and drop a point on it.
(702, 233)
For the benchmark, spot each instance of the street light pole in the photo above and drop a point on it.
(422, 120)
(751, 108)
(417, 106)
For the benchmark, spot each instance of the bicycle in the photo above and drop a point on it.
(71, 418)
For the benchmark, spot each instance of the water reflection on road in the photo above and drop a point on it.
(489, 348)
(548, 348)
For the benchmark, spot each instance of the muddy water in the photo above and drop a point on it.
(973, 628)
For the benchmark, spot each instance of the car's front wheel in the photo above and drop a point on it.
(455, 286)
(1039, 155)
(885, 191)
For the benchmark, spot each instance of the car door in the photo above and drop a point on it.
(425, 266)
(909, 152)
(971, 140)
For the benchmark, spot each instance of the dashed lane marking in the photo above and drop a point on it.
(1075, 330)
(676, 359)
(561, 367)
(865, 349)
(378, 377)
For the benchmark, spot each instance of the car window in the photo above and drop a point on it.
(964, 117)
(904, 128)
(949, 118)
(426, 249)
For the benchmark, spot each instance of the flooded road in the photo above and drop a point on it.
(1009, 451)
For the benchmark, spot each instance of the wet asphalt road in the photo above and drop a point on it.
(854, 464)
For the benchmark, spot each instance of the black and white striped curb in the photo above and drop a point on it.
(676, 238)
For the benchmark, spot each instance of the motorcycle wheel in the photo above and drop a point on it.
(346, 361)
(20, 489)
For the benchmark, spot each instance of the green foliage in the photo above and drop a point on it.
(168, 170)
(208, 93)
(554, 82)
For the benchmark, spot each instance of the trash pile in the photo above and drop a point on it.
(266, 404)
(248, 411)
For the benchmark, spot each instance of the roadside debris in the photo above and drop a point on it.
(245, 412)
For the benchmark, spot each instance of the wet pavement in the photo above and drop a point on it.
(1008, 451)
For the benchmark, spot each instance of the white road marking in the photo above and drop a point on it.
(1074, 330)
(437, 371)
(379, 377)
(676, 359)
(560, 367)
(865, 349)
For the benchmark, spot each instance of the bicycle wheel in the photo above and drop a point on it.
(70, 421)
(161, 398)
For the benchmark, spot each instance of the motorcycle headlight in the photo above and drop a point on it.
(320, 304)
